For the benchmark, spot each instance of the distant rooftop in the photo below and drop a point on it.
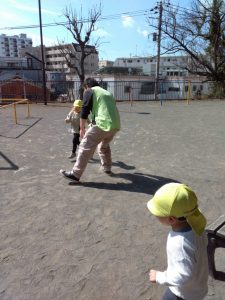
(21, 35)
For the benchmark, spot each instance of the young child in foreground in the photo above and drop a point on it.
(186, 276)
(73, 118)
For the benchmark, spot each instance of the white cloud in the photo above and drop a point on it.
(6, 18)
(127, 21)
(46, 40)
(100, 33)
(29, 8)
(143, 32)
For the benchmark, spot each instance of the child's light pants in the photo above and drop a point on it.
(94, 137)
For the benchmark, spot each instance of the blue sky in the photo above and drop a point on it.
(124, 36)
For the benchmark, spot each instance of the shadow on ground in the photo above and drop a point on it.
(135, 182)
(11, 165)
(117, 163)
(19, 129)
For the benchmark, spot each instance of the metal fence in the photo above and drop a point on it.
(142, 90)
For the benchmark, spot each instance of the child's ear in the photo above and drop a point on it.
(172, 220)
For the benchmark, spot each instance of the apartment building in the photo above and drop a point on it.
(32, 52)
(13, 63)
(57, 56)
(25, 67)
(105, 63)
(170, 66)
(10, 45)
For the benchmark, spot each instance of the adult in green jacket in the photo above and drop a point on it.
(105, 124)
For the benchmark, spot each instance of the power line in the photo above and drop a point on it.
(104, 18)
(176, 6)
(143, 12)
(183, 11)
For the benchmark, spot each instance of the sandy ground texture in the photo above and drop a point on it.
(97, 241)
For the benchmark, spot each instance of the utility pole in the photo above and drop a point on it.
(42, 55)
(158, 50)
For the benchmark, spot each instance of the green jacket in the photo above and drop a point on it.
(104, 110)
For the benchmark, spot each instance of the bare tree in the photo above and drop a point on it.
(198, 33)
(81, 29)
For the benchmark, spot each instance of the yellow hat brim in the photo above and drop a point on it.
(152, 207)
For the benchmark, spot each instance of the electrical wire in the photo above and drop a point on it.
(183, 11)
(104, 18)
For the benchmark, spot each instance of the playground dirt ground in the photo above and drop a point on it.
(97, 240)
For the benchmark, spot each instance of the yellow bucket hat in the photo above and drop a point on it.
(178, 200)
(77, 103)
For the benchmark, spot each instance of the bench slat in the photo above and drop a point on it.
(221, 233)
(219, 223)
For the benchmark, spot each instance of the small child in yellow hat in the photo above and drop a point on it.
(186, 276)
(73, 118)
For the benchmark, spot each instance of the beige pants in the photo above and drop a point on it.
(94, 137)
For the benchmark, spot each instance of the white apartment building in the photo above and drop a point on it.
(10, 45)
(170, 66)
(105, 63)
(56, 60)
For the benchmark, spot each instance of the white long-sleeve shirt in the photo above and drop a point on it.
(74, 119)
(187, 265)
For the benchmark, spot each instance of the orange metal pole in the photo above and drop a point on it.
(189, 91)
(28, 109)
(15, 115)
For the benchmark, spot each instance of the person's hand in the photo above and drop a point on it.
(152, 276)
(82, 132)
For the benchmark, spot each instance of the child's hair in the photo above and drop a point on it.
(178, 200)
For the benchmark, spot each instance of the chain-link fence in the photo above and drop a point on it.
(141, 90)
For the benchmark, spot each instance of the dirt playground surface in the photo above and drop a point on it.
(97, 240)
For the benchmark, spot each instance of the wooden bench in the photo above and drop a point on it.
(216, 239)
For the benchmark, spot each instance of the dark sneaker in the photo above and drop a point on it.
(72, 155)
(70, 176)
(108, 173)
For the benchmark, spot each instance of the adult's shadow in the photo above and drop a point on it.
(117, 163)
(135, 182)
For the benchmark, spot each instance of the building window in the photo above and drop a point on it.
(173, 89)
(148, 88)
(127, 89)
(29, 63)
